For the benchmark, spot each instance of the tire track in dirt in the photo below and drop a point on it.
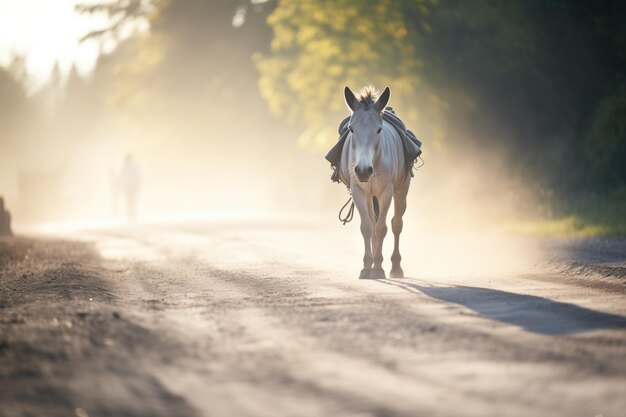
(232, 320)
(64, 345)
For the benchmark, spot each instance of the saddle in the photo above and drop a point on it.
(411, 144)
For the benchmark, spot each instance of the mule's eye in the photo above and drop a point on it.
(350, 129)
(379, 129)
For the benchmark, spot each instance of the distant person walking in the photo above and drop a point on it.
(5, 220)
(129, 181)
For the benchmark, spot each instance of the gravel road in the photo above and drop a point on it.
(238, 318)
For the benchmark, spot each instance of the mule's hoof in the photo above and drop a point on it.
(365, 274)
(377, 274)
(396, 273)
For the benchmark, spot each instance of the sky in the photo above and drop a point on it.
(45, 32)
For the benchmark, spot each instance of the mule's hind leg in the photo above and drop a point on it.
(399, 207)
(373, 214)
(361, 203)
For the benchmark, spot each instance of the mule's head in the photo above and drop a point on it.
(366, 124)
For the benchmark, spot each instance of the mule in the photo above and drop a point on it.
(374, 168)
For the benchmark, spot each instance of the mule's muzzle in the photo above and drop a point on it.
(363, 173)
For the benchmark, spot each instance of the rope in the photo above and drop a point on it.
(350, 215)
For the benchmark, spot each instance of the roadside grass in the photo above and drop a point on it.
(592, 216)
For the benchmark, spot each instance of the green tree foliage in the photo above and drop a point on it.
(542, 76)
(606, 140)
(541, 80)
(320, 46)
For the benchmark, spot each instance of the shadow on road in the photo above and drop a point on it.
(532, 313)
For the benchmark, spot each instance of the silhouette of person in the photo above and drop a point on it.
(5, 220)
(130, 182)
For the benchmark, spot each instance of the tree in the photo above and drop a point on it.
(539, 75)
(193, 68)
(319, 47)
(13, 104)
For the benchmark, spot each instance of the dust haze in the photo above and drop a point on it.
(207, 146)
(176, 247)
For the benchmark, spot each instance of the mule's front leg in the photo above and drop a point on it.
(360, 201)
(380, 231)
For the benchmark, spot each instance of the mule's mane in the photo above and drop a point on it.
(368, 95)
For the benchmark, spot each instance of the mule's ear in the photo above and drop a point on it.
(351, 100)
(382, 101)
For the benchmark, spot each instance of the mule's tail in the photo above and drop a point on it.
(376, 208)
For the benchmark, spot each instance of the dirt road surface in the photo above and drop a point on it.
(237, 318)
